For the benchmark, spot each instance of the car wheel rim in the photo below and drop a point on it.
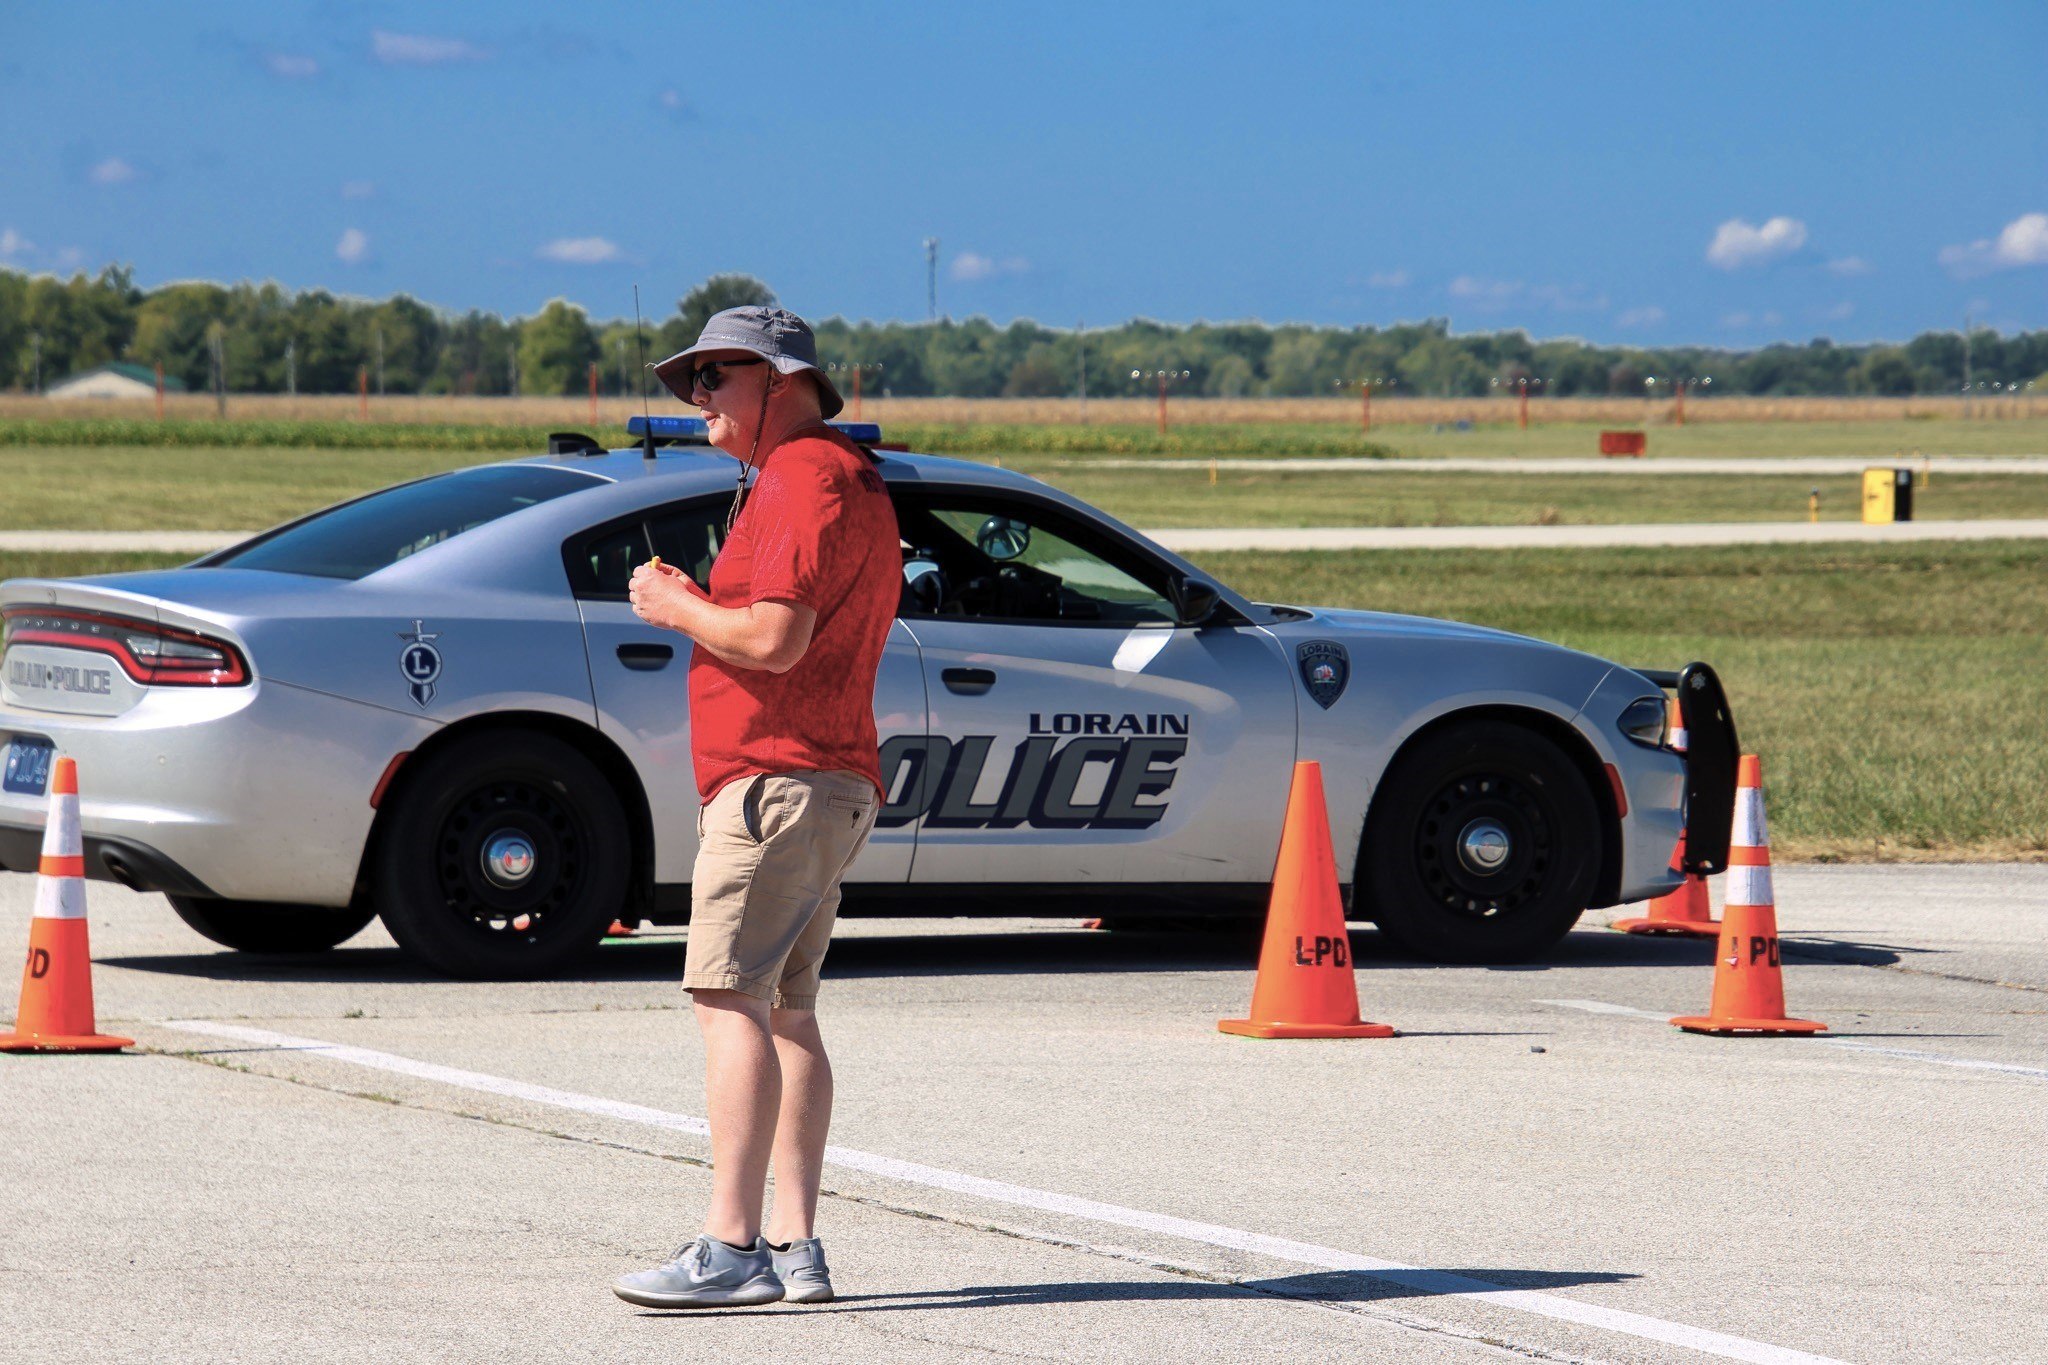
(510, 860)
(1484, 845)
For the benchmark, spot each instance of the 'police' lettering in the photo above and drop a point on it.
(933, 778)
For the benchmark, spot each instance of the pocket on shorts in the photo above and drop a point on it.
(851, 807)
(750, 808)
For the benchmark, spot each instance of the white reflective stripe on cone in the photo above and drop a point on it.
(60, 897)
(1749, 885)
(61, 837)
(1749, 830)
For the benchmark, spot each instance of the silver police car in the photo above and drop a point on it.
(434, 705)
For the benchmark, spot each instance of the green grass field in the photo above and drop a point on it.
(126, 488)
(1894, 692)
(1177, 497)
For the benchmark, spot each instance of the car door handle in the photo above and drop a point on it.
(646, 658)
(968, 682)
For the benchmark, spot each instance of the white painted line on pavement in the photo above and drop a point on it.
(1853, 1044)
(1022, 1196)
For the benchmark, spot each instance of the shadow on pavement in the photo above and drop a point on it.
(981, 953)
(1348, 1286)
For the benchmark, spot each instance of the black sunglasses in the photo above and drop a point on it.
(709, 376)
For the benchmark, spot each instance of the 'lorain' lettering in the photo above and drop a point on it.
(1104, 723)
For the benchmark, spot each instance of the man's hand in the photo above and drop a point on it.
(658, 592)
(767, 636)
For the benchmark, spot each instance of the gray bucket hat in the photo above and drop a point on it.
(777, 335)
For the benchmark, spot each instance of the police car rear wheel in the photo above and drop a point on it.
(269, 926)
(1483, 845)
(506, 858)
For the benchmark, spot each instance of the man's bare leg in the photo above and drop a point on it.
(742, 1091)
(801, 1127)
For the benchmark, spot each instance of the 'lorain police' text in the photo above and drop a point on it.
(933, 778)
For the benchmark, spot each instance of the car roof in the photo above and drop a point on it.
(683, 469)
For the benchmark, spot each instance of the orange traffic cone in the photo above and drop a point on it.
(56, 983)
(1686, 910)
(1749, 987)
(1305, 987)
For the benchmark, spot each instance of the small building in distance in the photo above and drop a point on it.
(118, 380)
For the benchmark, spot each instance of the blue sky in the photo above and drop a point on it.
(1726, 174)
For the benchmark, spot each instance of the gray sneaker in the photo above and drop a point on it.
(705, 1274)
(802, 1270)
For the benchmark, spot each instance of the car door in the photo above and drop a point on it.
(1078, 734)
(639, 675)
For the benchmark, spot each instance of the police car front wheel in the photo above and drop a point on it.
(1483, 844)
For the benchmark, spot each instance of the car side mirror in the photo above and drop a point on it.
(1195, 601)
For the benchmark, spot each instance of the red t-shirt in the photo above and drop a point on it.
(817, 529)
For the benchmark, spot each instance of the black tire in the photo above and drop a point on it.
(270, 926)
(432, 886)
(1434, 896)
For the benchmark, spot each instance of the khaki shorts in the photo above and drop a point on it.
(772, 850)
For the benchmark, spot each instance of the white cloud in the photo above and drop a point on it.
(1849, 266)
(1841, 312)
(2022, 242)
(419, 49)
(68, 258)
(353, 247)
(1387, 279)
(969, 267)
(1735, 319)
(13, 244)
(1648, 316)
(1494, 292)
(112, 171)
(1491, 294)
(359, 189)
(673, 103)
(1772, 317)
(290, 66)
(1738, 243)
(579, 251)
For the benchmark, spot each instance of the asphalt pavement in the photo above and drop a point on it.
(1045, 1150)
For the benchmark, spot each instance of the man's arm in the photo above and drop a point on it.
(766, 636)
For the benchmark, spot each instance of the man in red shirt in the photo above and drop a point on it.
(782, 728)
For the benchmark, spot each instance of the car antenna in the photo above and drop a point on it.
(646, 414)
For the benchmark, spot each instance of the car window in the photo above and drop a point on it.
(688, 537)
(998, 559)
(358, 538)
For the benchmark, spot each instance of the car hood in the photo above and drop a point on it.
(1388, 623)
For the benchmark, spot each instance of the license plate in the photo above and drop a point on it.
(28, 766)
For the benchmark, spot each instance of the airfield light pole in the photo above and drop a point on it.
(1365, 388)
(1164, 377)
(377, 336)
(593, 393)
(291, 368)
(856, 370)
(1081, 365)
(931, 279)
(159, 391)
(35, 341)
(363, 393)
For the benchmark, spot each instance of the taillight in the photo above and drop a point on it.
(154, 655)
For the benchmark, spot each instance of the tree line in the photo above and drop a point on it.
(272, 340)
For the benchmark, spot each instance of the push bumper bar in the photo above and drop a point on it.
(1712, 753)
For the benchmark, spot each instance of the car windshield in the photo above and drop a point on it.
(358, 538)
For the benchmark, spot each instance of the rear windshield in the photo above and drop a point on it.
(358, 538)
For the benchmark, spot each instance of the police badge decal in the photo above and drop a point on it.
(420, 662)
(1325, 668)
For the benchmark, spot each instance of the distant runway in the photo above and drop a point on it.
(1762, 464)
(1552, 537)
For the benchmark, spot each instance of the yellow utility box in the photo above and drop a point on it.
(1887, 495)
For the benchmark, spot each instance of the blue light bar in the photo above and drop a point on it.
(693, 429)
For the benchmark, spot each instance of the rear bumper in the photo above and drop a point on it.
(134, 865)
(250, 793)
